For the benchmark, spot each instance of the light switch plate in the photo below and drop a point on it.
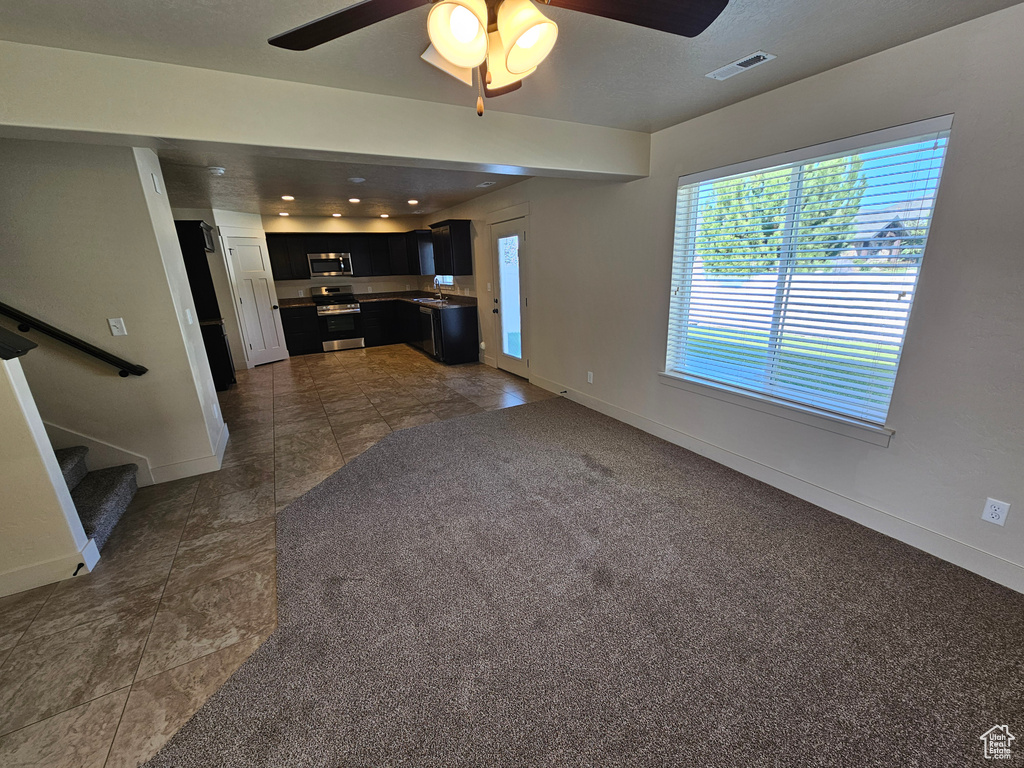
(117, 326)
(188, 315)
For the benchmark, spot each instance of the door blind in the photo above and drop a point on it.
(795, 282)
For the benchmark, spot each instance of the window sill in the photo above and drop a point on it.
(818, 420)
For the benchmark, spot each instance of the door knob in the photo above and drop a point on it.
(274, 307)
(494, 311)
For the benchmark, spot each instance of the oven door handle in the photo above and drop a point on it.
(338, 312)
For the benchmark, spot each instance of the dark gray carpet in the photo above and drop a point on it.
(544, 586)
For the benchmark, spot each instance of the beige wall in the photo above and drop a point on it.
(600, 258)
(85, 235)
(343, 224)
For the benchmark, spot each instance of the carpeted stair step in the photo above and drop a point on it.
(72, 464)
(102, 497)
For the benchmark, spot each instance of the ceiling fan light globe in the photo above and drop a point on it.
(498, 76)
(457, 30)
(464, 25)
(526, 34)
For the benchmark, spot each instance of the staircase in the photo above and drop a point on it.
(100, 496)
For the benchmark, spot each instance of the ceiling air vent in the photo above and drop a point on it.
(740, 65)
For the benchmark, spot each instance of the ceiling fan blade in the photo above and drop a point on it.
(678, 17)
(342, 22)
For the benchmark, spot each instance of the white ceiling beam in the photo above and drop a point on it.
(51, 93)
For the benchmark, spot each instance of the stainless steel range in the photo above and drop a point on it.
(338, 313)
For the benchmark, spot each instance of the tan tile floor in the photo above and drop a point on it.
(101, 670)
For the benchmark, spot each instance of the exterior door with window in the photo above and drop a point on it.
(510, 301)
(262, 331)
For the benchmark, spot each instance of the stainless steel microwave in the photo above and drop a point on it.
(329, 264)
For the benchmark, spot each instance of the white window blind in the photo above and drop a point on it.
(794, 281)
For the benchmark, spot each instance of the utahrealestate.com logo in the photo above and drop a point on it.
(998, 740)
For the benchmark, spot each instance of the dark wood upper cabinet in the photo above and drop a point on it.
(420, 247)
(373, 254)
(298, 256)
(398, 255)
(277, 250)
(380, 256)
(453, 247)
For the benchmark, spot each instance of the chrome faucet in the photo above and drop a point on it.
(437, 287)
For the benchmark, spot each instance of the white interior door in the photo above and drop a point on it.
(510, 301)
(257, 300)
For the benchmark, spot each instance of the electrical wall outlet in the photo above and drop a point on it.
(117, 326)
(590, 377)
(995, 511)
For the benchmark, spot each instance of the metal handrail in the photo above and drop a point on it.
(28, 323)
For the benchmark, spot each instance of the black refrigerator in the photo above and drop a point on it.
(196, 239)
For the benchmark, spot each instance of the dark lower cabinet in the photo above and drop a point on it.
(459, 340)
(449, 334)
(301, 330)
(380, 321)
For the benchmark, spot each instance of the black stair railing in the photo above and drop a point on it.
(28, 323)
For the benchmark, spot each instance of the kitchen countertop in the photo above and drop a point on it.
(367, 298)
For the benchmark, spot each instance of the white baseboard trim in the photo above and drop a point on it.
(168, 472)
(101, 454)
(40, 574)
(964, 555)
(491, 361)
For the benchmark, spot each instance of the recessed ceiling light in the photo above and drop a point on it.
(216, 170)
(287, 197)
(282, 213)
(353, 199)
(414, 202)
(336, 215)
(356, 179)
(384, 216)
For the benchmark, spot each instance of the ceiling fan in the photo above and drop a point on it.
(502, 40)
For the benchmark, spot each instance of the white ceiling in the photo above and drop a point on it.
(601, 72)
(255, 179)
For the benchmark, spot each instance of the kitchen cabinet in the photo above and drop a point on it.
(301, 330)
(398, 255)
(288, 256)
(373, 254)
(453, 247)
(380, 255)
(448, 334)
(380, 322)
(420, 249)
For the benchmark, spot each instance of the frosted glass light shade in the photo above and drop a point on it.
(527, 35)
(458, 31)
(500, 76)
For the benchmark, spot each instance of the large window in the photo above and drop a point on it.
(793, 277)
